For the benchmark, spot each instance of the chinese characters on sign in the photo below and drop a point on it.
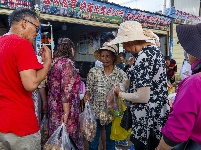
(103, 12)
(148, 20)
(186, 18)
(12, 4)
(94, 10)
(182, 17)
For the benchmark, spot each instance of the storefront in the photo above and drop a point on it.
(82, 17)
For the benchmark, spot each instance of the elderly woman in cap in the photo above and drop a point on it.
(183, 125)
(100, 80)
(64, 92)
(148, 86)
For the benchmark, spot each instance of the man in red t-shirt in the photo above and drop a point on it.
(20, 74)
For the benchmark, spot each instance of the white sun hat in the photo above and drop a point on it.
(129, 31)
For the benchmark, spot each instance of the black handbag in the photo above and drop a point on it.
(189, 145)
(126, 121)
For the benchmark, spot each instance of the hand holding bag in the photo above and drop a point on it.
(59, 140)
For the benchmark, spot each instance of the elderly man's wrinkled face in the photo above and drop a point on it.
(31, 27)
(107, 58)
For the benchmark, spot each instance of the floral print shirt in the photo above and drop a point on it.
(98, 84)
(149, 70)
(64, 87)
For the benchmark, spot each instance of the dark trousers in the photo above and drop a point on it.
(110, 144)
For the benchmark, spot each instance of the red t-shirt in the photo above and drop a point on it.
(16, 105)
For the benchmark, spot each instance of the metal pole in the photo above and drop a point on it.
(164, 7)
(171, 33)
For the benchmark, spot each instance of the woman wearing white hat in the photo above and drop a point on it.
(148, 86)
(100, 80)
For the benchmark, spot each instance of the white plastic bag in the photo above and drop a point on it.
(59, 140)
(88, 123)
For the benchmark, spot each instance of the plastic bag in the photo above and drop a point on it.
(112, 101)
(117, 132)
(59, 140)
(88, 123)
(44, 130)
(114, 104)
(105, 117)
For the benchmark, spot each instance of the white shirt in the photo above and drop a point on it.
(98, 63)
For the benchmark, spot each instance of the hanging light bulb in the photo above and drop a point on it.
(64, 26)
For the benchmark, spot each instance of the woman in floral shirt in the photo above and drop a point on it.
(100, 81)
(64, 92)
(148, 86)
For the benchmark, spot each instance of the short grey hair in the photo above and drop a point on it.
(20, 13)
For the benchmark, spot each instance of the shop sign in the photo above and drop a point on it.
(90, 10)
(103, 12)
(181, 17)
(148, 20)
(13, 4)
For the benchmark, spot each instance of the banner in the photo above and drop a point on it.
(94, 10)
(88, 9)
(13, 4)
(103, 12)
(182, 17)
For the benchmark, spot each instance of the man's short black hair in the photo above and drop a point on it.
(20, 13)
(167, 57)
(105, 37)
(122, 54)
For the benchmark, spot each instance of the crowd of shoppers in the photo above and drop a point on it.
(145, 81)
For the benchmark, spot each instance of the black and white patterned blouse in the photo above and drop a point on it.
(149, 70)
